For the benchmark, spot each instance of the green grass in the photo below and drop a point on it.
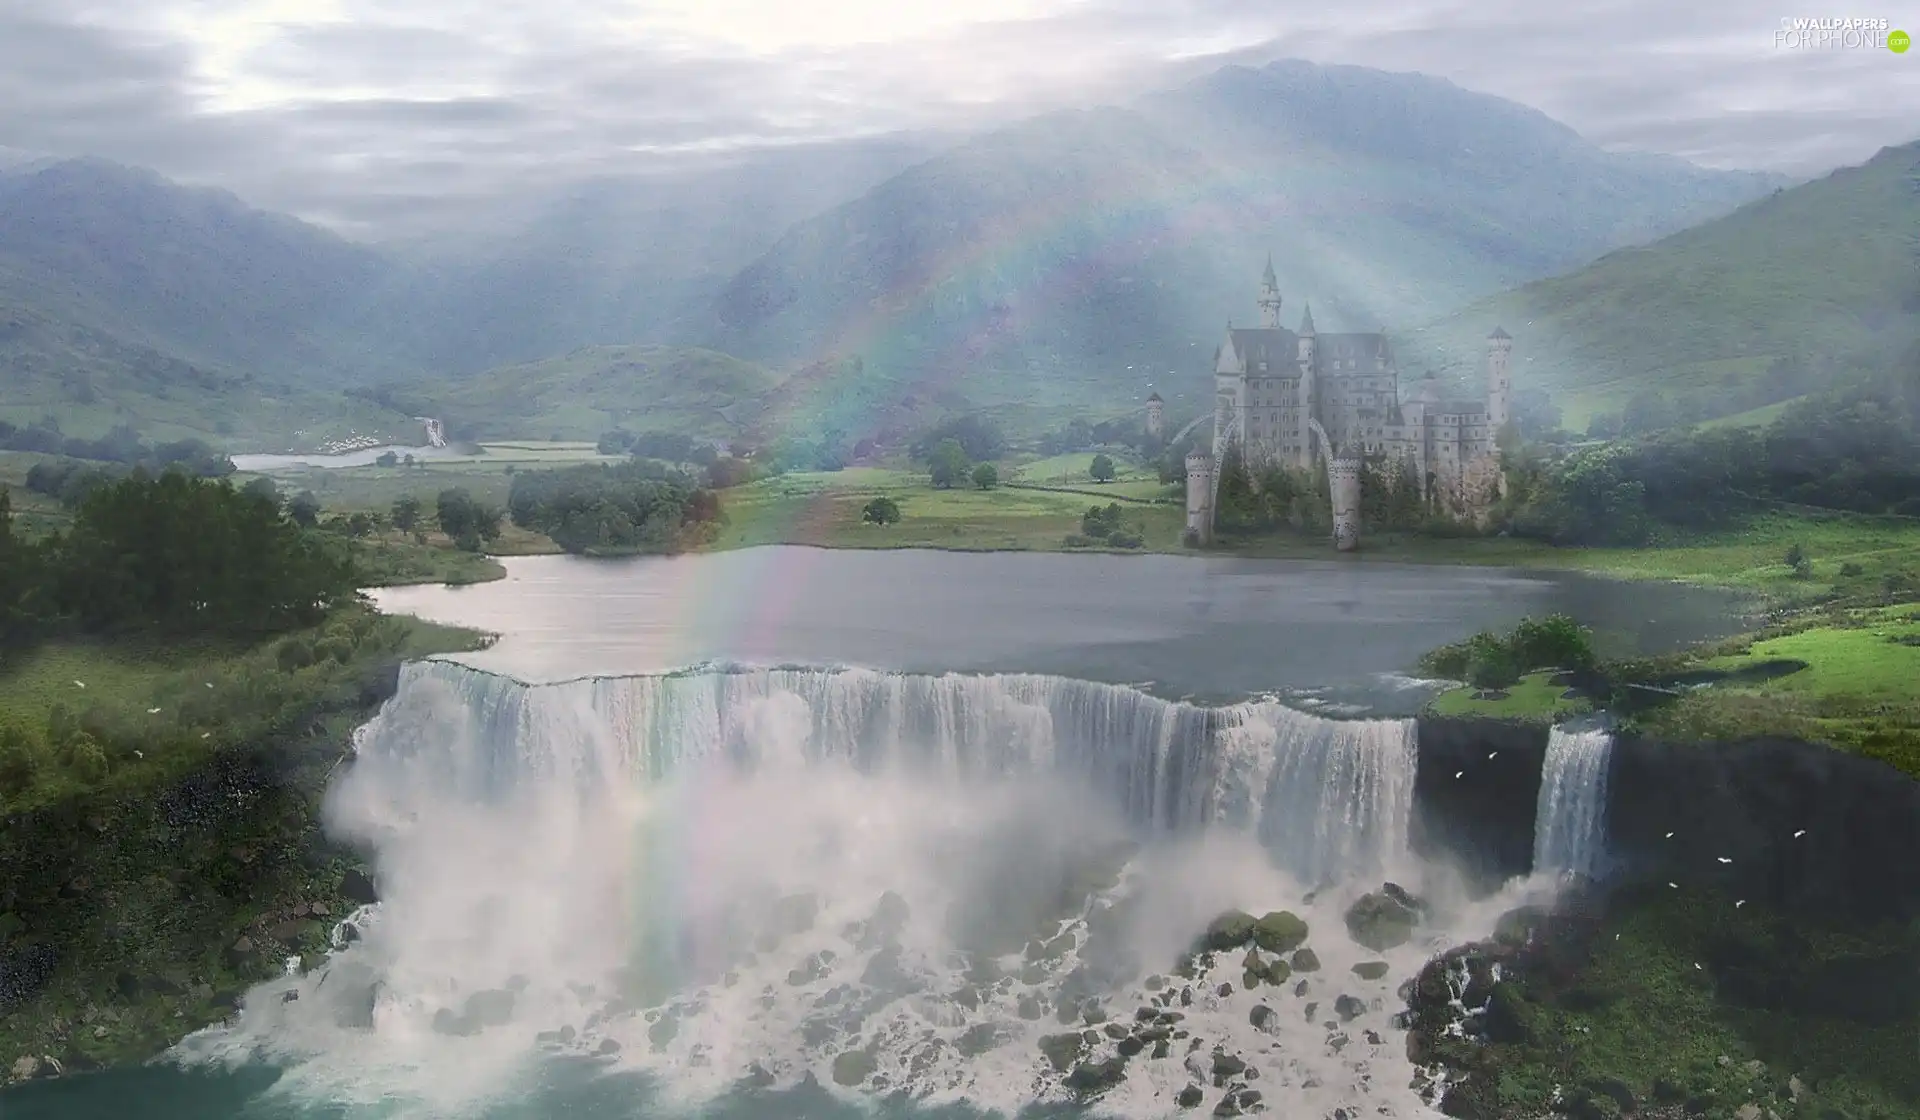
(1754, 417)
(825, 509)
(1535, 698)
(1820, 270)
(1855, 665)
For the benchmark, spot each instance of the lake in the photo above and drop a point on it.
(1189, 626)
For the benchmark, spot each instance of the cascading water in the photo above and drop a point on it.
(929, 885)
(1570, 827)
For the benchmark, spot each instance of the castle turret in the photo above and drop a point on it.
(1343, 477)
(1156, 418)
(1499, 380)
(1308, 406)
(1200, 470)
(1269, 298)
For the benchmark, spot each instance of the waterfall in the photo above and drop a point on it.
(1570, 826)
(1329, 798)
(915, 883)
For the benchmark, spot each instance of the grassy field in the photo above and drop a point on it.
(825, 509)
(1534, 698)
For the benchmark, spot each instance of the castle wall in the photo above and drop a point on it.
(1344, 476)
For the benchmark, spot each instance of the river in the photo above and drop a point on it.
(677, 891)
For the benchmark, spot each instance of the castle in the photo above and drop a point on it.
(1300, 399)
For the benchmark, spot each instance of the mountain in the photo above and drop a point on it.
(625, 259)
(190, 273)
(1780, 297)
(1095, 253)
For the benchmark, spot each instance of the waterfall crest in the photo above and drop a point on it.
(1327, 797)
(1570, 827)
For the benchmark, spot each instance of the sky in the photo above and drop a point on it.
(372, 115)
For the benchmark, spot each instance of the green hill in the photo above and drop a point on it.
(1823, 277)
(597, 388)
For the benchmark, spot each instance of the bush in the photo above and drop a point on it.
(19, 761)
(1851, 569)
(880, 511)
(83, 758)
(1120, 539)
(1492, 668)
(1075, 540)
(293, 655)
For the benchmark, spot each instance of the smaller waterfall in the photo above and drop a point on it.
(1570, 818)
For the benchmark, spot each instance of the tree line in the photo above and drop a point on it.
(636, 506)
(169, 554)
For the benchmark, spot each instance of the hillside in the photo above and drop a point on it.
(1824, 276)
(195, 274)
(598, 388)
(1088, 252)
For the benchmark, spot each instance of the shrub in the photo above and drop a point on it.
(1851, 569)
(19, 761)
(83, 758)
(294, 654)
(1122, 539)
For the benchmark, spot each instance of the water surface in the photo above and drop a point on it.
(1201, 626)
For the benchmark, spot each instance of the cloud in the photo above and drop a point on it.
(375, 115)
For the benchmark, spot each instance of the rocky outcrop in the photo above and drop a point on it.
(1787, 824)
(1474, 795)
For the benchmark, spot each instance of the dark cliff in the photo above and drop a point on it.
(1802, 826)
(1474, 795)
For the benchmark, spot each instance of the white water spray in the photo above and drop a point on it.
(892, 882)
(1570, 825)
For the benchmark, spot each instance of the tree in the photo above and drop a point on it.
(304, 509)
(948, 463)
(387, 459)
(1798, 561)
(263, 488)
(881, 511)
(1102, 468)
(406, 513)
(466, 520)
(985, 476)
(21, 579)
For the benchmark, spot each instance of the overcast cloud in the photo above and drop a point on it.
(372, 115)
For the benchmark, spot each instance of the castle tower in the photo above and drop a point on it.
(1269, 298)
(1156, 418)
(1200, 470)
(1307, 410)
(1343, 476)
(1499, 380)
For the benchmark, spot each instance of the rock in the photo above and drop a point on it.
(1225, 1065)
(357, 888)
(1131, 1045)
(1616, 1091)
(1261, 1018)
(1062, 1050)
(1305, 961)
(1370, 970)
(1280, 931)
(1517, 926)
(1748, 1111)
(1031, 1008)
(853, 1067)
(1186, 996)
(1224, 990)
(793, 914)
(1380, 922)
(1349, 1008)
(1162, 1048)
(26, 1068)
(1228, 931)
(1190, 1097)
(1090, 1079)
(243, 945)
(663, 1031)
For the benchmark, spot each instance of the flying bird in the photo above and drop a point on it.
(1675, 886)
(206, 734)
(1490, 757)
(80, 684)
(1799, 834)
(1461, 773)
(1723, 859)
(1739, 904)
(153, 711)
(1669, 835)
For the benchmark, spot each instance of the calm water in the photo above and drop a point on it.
(1191, 626)
(1207, 627)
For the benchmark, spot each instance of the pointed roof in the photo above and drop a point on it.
(1154, 397)
(1500, 332)
(1306, 320)
(1267, 277)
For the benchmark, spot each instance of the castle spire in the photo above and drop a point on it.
(1269, 298)
(1267, 278)
(1306, 320)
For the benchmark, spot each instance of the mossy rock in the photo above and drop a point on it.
(1062, 1050)
(1305, 960)
(1228, 931)
(1280, 931)
(1379, 922)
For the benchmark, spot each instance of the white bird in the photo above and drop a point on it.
(1669, 835)
(206, 734)
(153, 711)
(209, 684)
(1460, 774)
(1696, 965)
(139, 754)
(1723, 859)
(1675, 886)
(1739, 904)
(80, 684)
(1490, 757)
(1799, 834)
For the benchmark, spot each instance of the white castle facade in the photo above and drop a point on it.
(1301, 399)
